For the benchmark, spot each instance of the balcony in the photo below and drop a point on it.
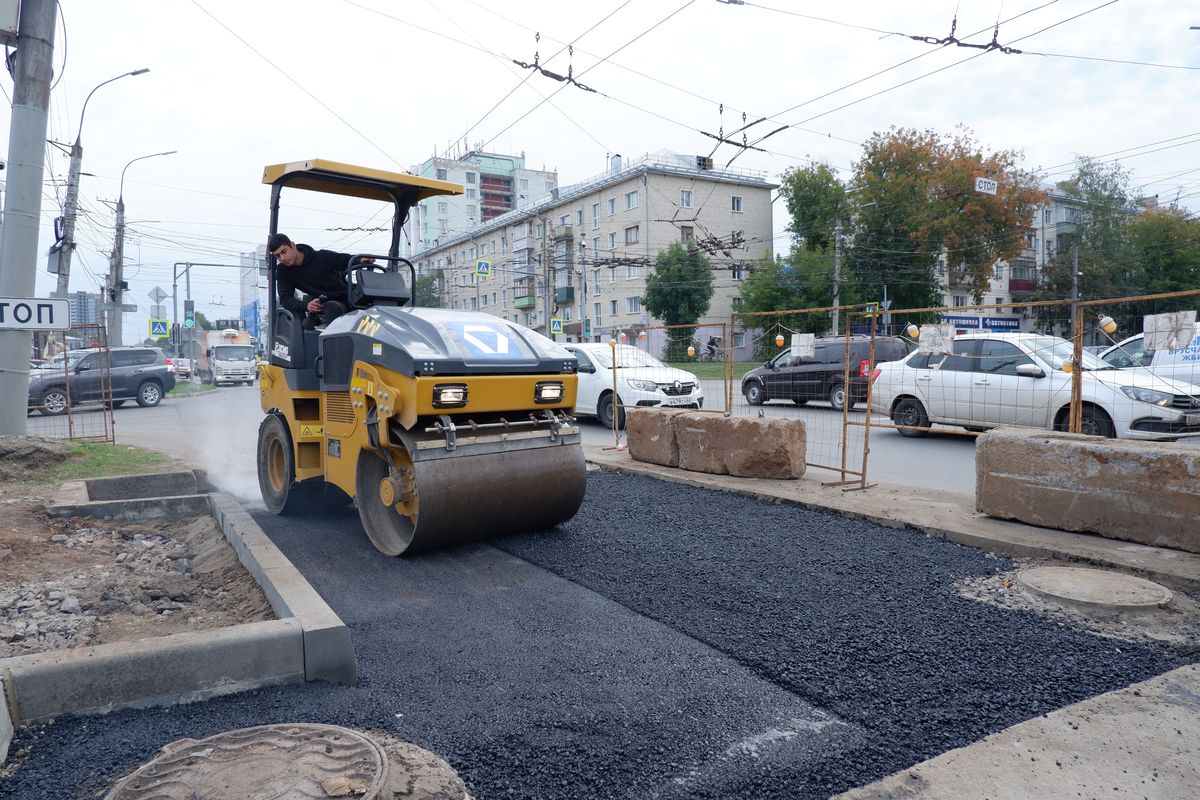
(523, 243)
(564, 232)
(525, 302)
(1021, 285)
(564, 294)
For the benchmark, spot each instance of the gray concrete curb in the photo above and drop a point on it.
(307, 642)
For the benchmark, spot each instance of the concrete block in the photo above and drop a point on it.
(747, 447)
(1145, 492)
(182, 667)
(651, 435)
(126, 487)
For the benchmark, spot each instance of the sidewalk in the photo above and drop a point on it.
(1142, 741)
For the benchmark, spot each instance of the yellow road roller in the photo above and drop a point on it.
(443, 426)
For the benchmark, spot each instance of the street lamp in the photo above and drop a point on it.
(66, 244)
(116, 279)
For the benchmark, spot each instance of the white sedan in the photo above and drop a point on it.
(994, 379)
(640, 379)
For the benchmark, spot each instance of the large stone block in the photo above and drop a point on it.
(748, 447)
(651, 435)
(1146, 492)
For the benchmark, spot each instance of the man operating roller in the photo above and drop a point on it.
(319, 274)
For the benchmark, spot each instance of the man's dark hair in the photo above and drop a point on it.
(276, 241)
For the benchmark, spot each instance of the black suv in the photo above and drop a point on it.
(129, 373)
(821, 375)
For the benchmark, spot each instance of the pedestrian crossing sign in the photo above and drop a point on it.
(483, 268)
(555, 326)
(158, 329)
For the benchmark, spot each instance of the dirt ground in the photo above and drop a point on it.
(74, 582)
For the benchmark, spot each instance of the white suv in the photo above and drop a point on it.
(641, 380)
(994, 379)
(1181, 365)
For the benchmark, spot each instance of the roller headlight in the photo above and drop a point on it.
(449, 395)
(644, 386)
(548, 392)
(1150, 396)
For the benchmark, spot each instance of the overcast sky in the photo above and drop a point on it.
(235, 85)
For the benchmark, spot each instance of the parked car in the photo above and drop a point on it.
(641, 380)
(130, 373)
(994, 379)
(1180, 365)
(183, 367)
(822, 375)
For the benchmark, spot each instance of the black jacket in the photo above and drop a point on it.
(322, 273)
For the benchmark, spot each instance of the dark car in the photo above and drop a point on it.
(821, 376)
(119, 374)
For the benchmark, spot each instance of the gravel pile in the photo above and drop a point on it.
(671, 642)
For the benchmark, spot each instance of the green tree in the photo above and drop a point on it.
(1162, 251)
(915, 209)
(202, 323)
(816, 200)
(802, 280)
(678, 291)
(1101, 209)
(428, 292)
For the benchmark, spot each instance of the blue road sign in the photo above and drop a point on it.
(158, 329)
(555, 325)
(483, 268)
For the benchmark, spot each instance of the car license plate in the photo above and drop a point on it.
(1191, 419)
(687, 401)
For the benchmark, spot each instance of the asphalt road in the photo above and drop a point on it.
(669, 642)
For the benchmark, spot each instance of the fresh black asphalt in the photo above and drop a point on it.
(670, 642)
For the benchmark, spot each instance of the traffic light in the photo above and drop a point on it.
(189, 314)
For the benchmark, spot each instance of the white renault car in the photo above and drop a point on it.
(994, 379)
(641, 380)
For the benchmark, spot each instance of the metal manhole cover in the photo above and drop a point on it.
(267, 762)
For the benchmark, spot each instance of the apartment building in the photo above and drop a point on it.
(581, 254)
(493, 184)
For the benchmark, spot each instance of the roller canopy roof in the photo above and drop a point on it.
(332, 177)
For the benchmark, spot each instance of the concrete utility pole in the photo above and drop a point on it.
(836, 299)
(31, 73)
(115, 296)
(71, 210)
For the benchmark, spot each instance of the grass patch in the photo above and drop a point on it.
(188, 388)
(93, 459)
(706, 370)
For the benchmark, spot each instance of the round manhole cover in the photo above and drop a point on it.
(1095, 588)
(268, 762)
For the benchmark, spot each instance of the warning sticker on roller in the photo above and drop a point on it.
(311, 431)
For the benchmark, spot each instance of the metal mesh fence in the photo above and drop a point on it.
(70, 392)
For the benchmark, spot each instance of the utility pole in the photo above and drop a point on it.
(837, 275)
(71, 210)
(115, 296)
(31, 71)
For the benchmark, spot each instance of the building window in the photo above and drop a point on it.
(612, 274)
(443, 226)
(595, 247)
(686, 233)
(631, 200)
(685, 198)
(443, 208)
(470, 177)
(735, 204)
(959, 301)
(633, 271)
(1049, 247)
(612, 206)
(549, 186)
(525, 183)
(441, 174)
(631, 235)
(483, 301)
(580, 218)
(998, 272)
(566, 312)
(633, 305)
(596, 286)
(612, 307)
(1047, 216)
(737, 270)
(565, 219)
(999, 301)
(735, 303)
(471, 212)
(612, 241)
(470, 194)
(595, 216)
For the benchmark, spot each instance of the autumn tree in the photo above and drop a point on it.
(915, 212)
(678, 291)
